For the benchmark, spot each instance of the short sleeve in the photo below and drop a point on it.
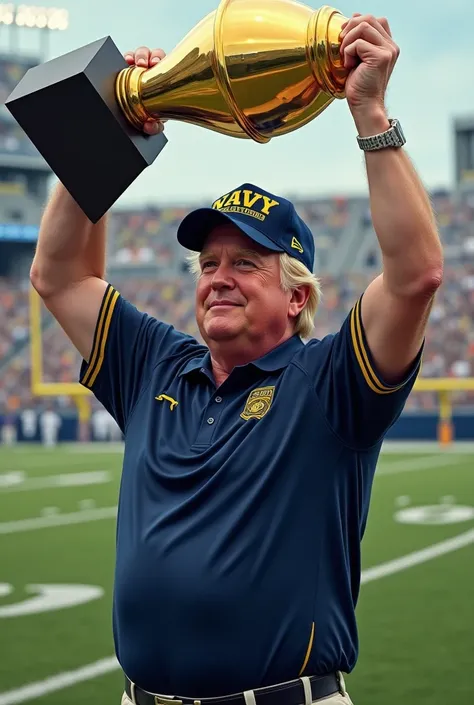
(358, 404)
(127, 346)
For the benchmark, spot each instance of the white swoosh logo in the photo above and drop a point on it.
(49, 598)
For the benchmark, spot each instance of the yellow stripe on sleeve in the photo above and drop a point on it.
(362, 357)
(99, 334)
(104, 339)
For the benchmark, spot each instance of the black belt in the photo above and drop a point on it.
(290, 693)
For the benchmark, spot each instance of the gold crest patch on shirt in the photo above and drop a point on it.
(258, 403)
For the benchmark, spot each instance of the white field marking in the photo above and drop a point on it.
(36, 460)
(426, 463)
(107, 665)
(12, 478)
(48, 598)
(73, 479)
(422, 556)
(435, 514)
(58, 682)
(13, 527)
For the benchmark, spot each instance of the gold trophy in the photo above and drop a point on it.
(252, 69)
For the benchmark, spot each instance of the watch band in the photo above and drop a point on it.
(393, 137)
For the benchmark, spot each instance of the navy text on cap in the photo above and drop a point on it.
(269, 220)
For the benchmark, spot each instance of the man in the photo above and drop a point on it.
(249, 460)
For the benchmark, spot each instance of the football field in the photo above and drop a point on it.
(57, 538)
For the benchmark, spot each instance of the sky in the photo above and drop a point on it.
(432, 84)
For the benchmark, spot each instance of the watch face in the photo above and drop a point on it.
(399, 131)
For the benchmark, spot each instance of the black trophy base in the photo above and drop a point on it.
(67, 107)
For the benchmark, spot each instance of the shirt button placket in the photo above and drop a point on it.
(209, 423)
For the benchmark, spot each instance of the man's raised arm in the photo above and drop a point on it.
(69, 267)
(395, 307)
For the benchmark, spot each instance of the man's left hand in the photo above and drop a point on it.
(369, 54)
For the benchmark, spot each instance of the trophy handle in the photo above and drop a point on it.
(324, 43)
(127, 93)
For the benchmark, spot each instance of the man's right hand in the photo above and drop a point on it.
(147, 58)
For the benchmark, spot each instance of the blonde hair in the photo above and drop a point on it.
(293, 274)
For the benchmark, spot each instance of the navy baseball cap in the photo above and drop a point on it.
(269, 220)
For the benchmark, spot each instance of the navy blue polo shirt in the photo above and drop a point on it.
(241, 508)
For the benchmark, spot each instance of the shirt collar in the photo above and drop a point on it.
(202, 363)
(274, 360)
(280, 356)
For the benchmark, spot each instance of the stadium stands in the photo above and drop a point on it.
(148, 267)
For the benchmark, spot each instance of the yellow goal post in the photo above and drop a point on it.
(79, 394)
(444, 387)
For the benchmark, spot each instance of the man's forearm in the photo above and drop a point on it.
(402, 216)
(70, 248)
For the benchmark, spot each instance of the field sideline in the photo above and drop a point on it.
(414, 613)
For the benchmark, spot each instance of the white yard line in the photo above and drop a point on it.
(107, 665)
(14, 527)
(418, 557)
(426, 463)
(58, 682)
(9, 482)
(30, 461)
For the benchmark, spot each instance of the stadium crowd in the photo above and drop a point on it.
(142, 238)
(12, 138)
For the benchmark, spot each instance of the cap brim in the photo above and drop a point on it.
(195, 227)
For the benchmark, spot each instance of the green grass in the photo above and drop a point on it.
(415, 626)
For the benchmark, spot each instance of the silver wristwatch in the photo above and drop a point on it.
(393, 137)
